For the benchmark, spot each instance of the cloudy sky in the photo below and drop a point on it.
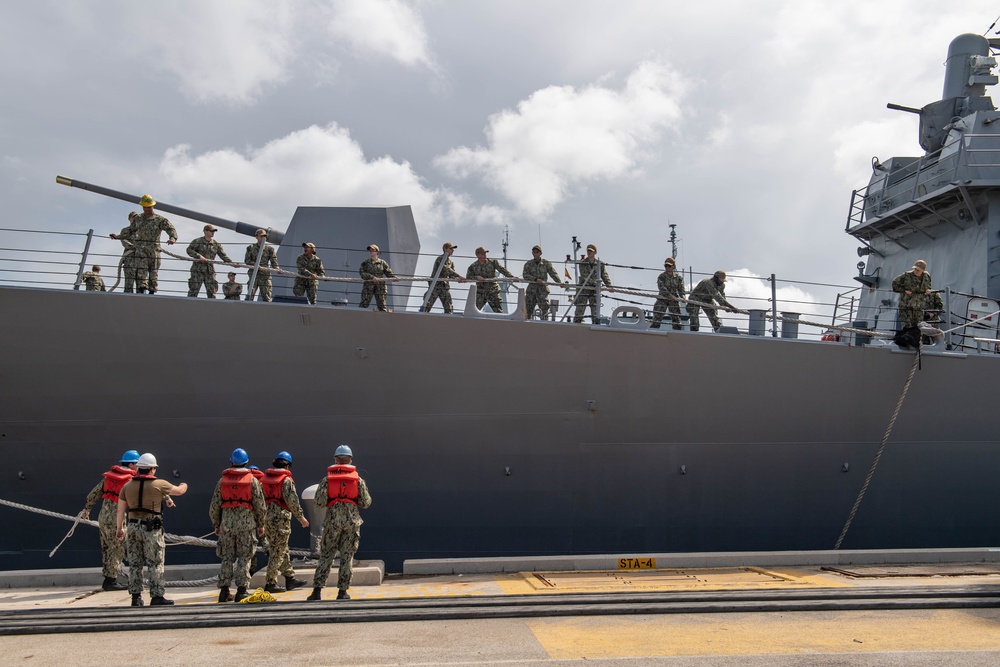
(745, 124)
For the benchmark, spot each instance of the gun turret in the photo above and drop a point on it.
(273, 235)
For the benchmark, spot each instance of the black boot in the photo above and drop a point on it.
(111, 584)
(317, 594)
(241, 592)
(342, 595)
(137, 600)
(224, 595)
(158, 600)
(292, 583)
(274, 588)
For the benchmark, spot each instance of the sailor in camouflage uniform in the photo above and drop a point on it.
(203, 250)
(127, 262)
(92, 279)
(709, 291)
(112, 549)
(591, 270)
(268, 261)
(342, 492)
(484, 272)
(237, 514)
(442, 289)
(144, 233)
(913, 287)
(232, 289)
(308, 264)
(671, 286)
(536, 270)
(374, 270)
(143, 499)
(282, 504)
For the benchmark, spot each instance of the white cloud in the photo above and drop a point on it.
(228, 50)
(384, 27)
(316, 166)
(561, 137)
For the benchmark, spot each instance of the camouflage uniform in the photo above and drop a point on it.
(277, 530)
(237, 530)
(204, 272)
(590, 273)
(375, 268)
(442, 289)
(94, 282)
(232, 291)
(144, 232)
(128, 262)
(670, 285)
(112, 549)
(536, 294)
(143, 545)
(707, 291)
(912, 306)
(268, 261)
(341, 532)
(487, 291)
(308, 286)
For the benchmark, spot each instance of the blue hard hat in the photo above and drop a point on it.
(285, 456)
(239, 457)
(131, 456)
(344, 450)
(252, 468)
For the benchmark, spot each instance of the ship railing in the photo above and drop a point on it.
(970, 158)
(57, 260)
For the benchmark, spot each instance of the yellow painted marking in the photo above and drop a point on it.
(744, 634)
(722, 578)
(636, 563)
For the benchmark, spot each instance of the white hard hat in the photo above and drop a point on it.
(147, 461)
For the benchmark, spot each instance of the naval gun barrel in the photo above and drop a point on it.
(900, 107)
(273, 235)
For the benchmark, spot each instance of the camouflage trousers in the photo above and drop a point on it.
(537, 295)
(337, 538)
(147, 266)
(490, 295)
(660, 309)
(307, 287)
(586, 297)
(277, 530)
(144, 547)
(263, 284)
(112, 549)
(236, 546)
(710, 313)
(203, 274)
(441, 291)
(910, 318)
(378, 290)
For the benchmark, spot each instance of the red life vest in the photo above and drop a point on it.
(341, 485)
(272, 481)
(236, 488)
(114, 480)
(256, 473)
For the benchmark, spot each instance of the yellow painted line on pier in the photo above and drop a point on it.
(595, 637)
(689, 579)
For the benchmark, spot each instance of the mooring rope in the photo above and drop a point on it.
(878, 454)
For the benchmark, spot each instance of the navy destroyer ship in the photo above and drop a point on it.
(486, 434)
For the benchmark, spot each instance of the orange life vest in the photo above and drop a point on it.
(114, 480)
(341, 485)
(257, 473)
(272, 481)
(236, 488)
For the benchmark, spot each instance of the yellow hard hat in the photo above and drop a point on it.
(147, 201)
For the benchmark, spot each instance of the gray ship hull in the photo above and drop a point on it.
(493, 437)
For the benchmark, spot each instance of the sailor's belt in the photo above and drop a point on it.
(152, 523)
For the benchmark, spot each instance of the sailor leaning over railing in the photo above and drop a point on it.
(144, 231)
